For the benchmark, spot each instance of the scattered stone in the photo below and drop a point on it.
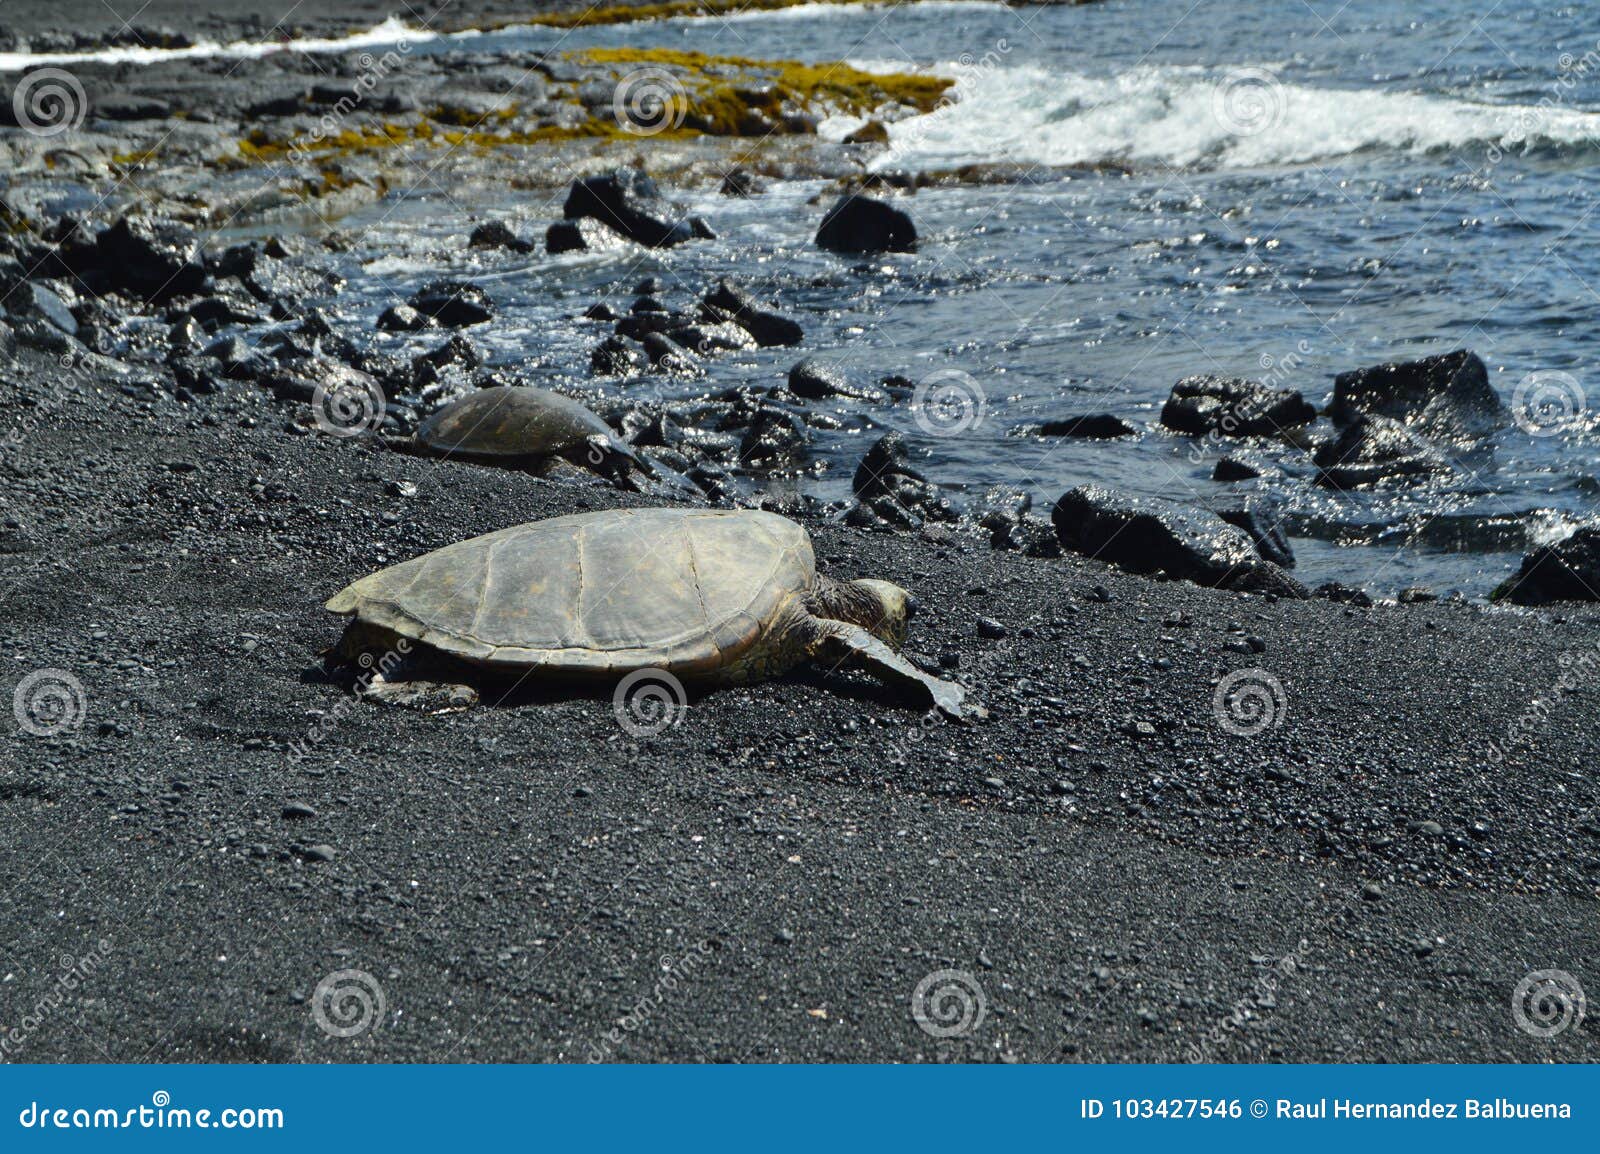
(816, 379)
(1372, 449)
(497, 234)
(1447, 397)
(861, 224)
(889, 486)
(629, 202)
(990, 629)
(1566, 570)
(1233, 469)
(1149, 535)
(729, 302)
(403, 319)
(1099, 426)
(1233, 407)
(155, 259)
(298, 811)
(318, 853)
(454, 303)
(580, 236)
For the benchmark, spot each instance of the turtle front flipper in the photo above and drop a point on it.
(841, 643)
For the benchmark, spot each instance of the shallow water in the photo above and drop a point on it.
(1303, 198)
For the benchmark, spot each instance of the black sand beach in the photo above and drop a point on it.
(1113, 874)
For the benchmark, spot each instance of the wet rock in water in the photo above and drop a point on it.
(858, 223)
(742, 182)
(403, 319)
(647, 304)
(1096, 426)
(888, 485)
(1149, 535)
(1262, 518)
(155, 259)
(1372, 449)
(872, 132)
(729, 302)
(581, 236)
(816, 379)
(775, 439)
(457, 352)
(709, 339)
(667, 356)
(629, 202)
(615, 357)
(497, 234)
(1447, 397)
(1233, 469)
(1567, 570)
(1233, 407)
(454, 303)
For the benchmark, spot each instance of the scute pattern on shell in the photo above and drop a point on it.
(510, 421)
(688, 590)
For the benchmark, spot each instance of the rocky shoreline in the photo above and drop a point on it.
(1182, 778)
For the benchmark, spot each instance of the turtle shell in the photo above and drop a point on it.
(688, 591)
(510, 421)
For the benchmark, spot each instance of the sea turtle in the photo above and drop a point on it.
(708, 596)
(519, 426)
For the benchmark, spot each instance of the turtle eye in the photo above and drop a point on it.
(913, 607)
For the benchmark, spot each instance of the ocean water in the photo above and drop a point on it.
(1284, 189)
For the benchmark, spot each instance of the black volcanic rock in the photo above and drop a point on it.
(1148, 535)
(151, 258)
(730, 302)
(454, 303)
(1374, 449)
(1446, 397)
(1567, 570)
(628, 201)
(1098, 426)
(861, 224)
(1233, 407)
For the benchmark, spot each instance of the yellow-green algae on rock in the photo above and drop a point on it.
(721, 96)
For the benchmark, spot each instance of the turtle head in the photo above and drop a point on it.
(894, 607)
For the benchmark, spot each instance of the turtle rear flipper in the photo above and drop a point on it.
(841, 643)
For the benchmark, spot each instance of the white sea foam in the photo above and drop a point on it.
(391, 31)
(1192, 117)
